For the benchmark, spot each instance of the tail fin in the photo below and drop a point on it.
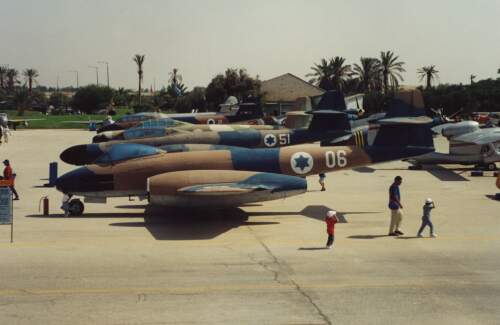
(332, 100)
(327, 121)
(398, 138)
(404, 132)
(250, 109)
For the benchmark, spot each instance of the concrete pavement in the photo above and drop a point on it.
(259, 264)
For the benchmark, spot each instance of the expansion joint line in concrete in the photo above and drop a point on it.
(276, 273)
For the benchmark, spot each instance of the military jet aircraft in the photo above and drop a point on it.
(324, 125)
(247, 113)
(159, 127)
(468, 145)
(233, 176)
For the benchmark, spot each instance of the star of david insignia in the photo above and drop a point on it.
(270, 140)
(301, 162)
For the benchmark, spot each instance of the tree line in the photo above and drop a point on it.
(377, 77)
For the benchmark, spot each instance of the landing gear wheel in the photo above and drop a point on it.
(415, 167)
(76, 207)
(491, 166)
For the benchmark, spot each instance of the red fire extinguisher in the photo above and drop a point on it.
(44, 201)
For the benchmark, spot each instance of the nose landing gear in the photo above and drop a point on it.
(76, 207)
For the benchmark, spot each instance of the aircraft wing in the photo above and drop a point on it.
(82, 122)
(25, 120)
(221, 189)
(404, 120)
(480, 137)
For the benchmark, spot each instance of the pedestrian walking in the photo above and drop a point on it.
(426, 218)
(395, 206)
(331, 220)
(9, 175)
(322, 177)
(6, 133)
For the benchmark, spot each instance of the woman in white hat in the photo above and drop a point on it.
(426, 218)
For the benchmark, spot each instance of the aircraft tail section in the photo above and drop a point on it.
(325, 121)
(405, 136)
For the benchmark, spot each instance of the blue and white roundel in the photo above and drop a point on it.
(270, 140)
(301, 162)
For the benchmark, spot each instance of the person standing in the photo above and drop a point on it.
(9, 175)
(331, 220)
(426, 218)
(322, 177)
(395, 206)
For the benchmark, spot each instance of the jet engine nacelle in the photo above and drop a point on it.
(460, 128)
(221, 188)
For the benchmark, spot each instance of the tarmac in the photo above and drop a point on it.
(258, 264)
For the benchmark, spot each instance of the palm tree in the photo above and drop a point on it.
(12, 75)
(340, 72)
(3, 73)
(391, 70)
(139, 60)
(367, 73)
(21, 100)
(321, 75)
(429, 73)
(331, 74)
(472, 77)
(30, 75)
(175, 78)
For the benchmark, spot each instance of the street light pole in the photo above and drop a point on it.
(96, 73)
(76, 74)
(107, 70)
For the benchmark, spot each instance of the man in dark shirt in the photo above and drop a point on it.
(395, 206)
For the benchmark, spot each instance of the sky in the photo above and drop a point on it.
(267, 37)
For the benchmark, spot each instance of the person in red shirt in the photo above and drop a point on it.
(331, 220)
(8, 174)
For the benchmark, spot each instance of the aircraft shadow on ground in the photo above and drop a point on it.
(199, 224)
(493, 197)
(444, 174)
(88, 216)
(191, 224)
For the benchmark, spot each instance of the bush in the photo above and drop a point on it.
(92, 98)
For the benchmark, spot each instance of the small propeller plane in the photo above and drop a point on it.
(230, 177)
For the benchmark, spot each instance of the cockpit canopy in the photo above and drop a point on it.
(160, 123)
(135, 133)
(126, 151)
(138, 117)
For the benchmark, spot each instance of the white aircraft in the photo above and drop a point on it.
(468, 145)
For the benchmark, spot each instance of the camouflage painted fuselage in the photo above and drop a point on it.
(142, 131)
(209, 177)
(129, 121)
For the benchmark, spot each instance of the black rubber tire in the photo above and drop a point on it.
(76, 207)
(491, 167)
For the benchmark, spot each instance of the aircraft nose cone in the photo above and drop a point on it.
(99, 138)
(83, 154)
(72, 181)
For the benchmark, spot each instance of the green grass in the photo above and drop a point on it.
(59, 121)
